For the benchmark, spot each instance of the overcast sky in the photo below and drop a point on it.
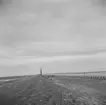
(57, 35)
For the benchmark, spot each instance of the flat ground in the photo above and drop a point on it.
(41, 90)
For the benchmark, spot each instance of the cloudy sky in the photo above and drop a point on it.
(57, 35)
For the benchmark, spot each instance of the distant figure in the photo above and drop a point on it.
(41, 71)
(84, 74)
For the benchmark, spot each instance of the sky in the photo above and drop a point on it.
(57, 35)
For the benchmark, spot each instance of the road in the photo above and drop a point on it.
(45, 91)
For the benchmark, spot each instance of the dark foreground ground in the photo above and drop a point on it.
(38, 90)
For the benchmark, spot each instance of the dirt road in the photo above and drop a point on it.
(40, 90)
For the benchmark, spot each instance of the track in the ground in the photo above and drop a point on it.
(43, 91)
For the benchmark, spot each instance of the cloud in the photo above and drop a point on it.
(58, 49)
(46, 32)
(16, 60)
(73, 21)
